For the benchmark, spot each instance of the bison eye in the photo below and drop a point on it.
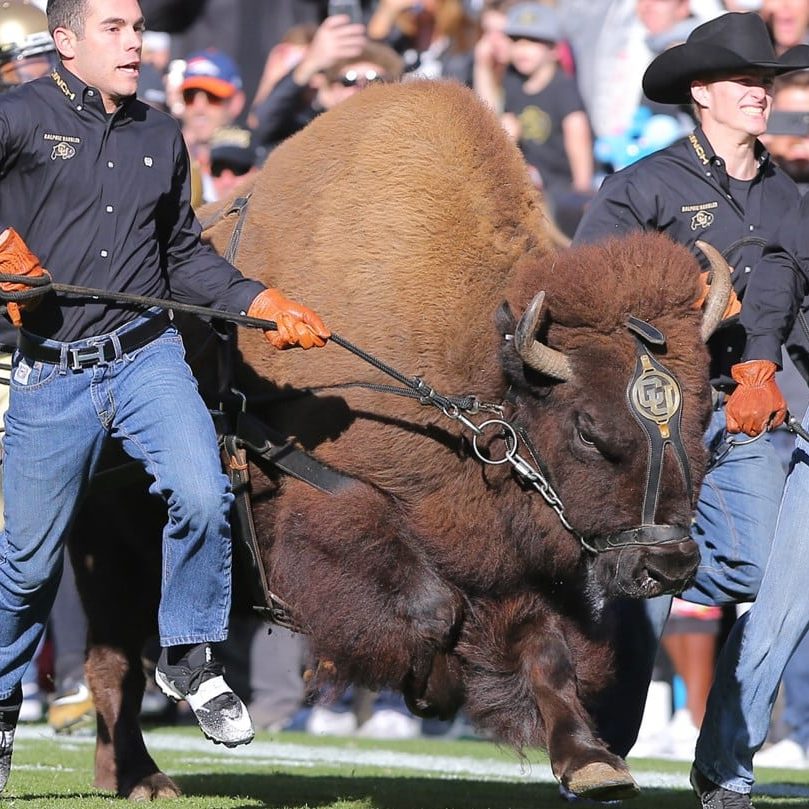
(586, 439)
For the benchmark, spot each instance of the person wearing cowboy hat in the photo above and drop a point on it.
(738, 717)
(718, 185)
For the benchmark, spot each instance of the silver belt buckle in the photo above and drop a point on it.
(90, 355)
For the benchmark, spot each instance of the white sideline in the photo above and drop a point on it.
(290, 754)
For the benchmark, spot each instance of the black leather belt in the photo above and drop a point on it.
(104, 350)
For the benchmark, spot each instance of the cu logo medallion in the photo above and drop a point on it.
(655, 394)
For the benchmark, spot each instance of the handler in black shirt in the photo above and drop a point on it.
(96, 185)
(720, 186)
(737, 719)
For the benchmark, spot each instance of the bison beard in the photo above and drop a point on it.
(430, 572)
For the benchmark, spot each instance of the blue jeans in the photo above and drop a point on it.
(57, 422)
(796, 694)
(760, 645)
(734, 523)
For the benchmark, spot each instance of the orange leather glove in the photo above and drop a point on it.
(757, 402)
(18, 262)
(297, 325)
(734, 305)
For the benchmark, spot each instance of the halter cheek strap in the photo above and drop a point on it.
(655, 401)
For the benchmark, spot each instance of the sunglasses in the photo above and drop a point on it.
(190, 95)
(219, 166)
(353, 78)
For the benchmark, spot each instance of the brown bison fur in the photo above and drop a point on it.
(406, 218)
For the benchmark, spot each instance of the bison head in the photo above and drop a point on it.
(624, 403)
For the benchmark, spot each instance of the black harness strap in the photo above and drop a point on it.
(239, 207)
(266, 603)
(264, 443)
(280, 452)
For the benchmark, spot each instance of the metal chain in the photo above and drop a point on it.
(523, 469)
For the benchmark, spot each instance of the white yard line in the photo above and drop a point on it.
(287, 754)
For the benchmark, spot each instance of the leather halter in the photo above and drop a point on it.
(654, 398)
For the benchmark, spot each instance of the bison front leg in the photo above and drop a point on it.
(529, 671)
(579, 760)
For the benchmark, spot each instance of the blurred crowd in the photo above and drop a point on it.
(241, 76)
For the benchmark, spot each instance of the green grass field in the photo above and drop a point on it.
(293, 771)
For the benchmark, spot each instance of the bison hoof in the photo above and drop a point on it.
(153, 787)
(600, 781)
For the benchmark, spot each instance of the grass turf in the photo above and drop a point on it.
(296, 771)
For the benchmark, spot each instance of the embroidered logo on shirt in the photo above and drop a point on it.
(702, 206)
(699, 149)
(701, 219)
(62, 85)
(62, 150)
(147, 161)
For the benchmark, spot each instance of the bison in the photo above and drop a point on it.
(406, 217)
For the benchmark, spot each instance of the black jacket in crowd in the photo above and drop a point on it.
(104, 201)
(684, 190)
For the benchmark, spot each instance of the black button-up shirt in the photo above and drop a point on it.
(775, 307)
(684, 190)
(104, 201)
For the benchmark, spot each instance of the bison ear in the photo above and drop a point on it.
(504, 319)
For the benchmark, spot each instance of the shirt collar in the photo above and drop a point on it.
(703, 152)
(81, 95)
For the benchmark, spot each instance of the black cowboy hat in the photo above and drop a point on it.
(736, 42)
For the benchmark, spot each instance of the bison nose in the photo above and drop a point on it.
(673, 567)
(647, 568)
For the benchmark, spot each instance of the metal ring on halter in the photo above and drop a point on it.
(727, 444)
(510, 439)
(734, 443)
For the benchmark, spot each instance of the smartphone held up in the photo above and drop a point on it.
(350, 8)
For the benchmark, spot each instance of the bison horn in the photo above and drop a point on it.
(537, 355)
(719, 292)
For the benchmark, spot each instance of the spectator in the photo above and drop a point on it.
(542, 104)
(613, 41)
(212, 98)
(788, 21)
(71, 705)
(285, 56)
(156, 50)
(436, 38)
(491, 54)
(339, 62)
(787, 135)
(233, 158)
(716, 185)
(542, 109)
(26, 47)
(153, 66)
(152, 87)
(293, 100)
(248, 29)
(690, 642)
